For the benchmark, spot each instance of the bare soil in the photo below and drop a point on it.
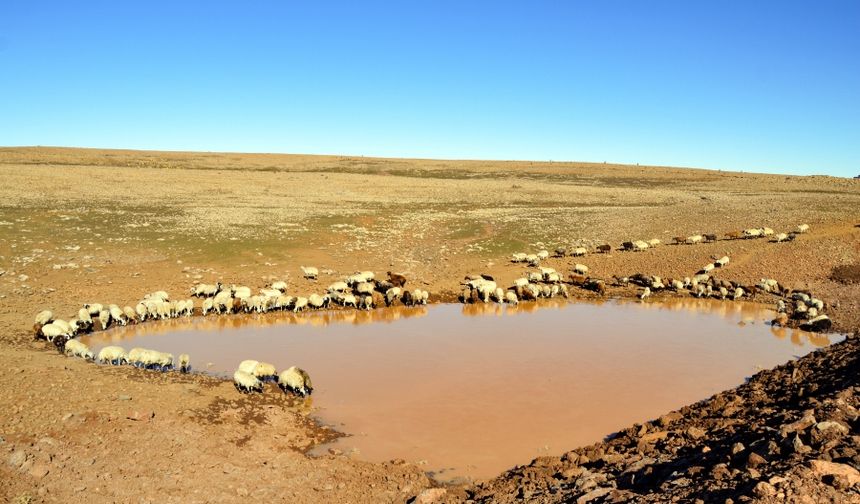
(81, 226)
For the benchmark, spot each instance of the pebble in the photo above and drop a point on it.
(429, 496)
(764, 489)
(17, 458)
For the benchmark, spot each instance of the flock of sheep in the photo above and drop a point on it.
(359, 290)
(362, 290)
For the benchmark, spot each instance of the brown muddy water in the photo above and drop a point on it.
(469, 391)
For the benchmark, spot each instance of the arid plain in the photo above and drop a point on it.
(79, 225)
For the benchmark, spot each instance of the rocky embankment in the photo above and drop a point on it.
(789, 434)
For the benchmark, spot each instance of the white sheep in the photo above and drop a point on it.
(350, 300)
(521, 282)
(511, 298)
(722, 262)
(339, 286)
(310, 272)
(695, 239)
(534, 276)
(104, 319)
(246, 382)
(391, 295)
(265, 371)
(499, 295)
(280, 285)
(51, 331)
(113, 355)
(519, 257)
(803, 228)
(707, 268)
(365, 288)
(653, 242)
(645, 294)
(723, 292)
(752, 233)
(184, 363)
(223, 302)
(75, 348)
(780, 237)
(365, 302)
(117, 315)
(240, 291)
(44, 317)
(739, 293)
(766, 231)
(543, 255)
(94, 309)
(296, 380)
(300, 305)
(248, 366)
(579, 252)
(205, 290)
(580, 269)
(316, 301)
(533, 259)
(553, 278)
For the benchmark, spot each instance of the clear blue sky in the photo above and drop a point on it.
(742, 85)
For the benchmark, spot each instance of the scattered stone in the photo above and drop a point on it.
(429, 496)
(808, 420)
(594, 494)
(764, 489)
(124, 397)
(824, 468)
(39, 470)
(755, 460)
(827, 425)
(737, 448)
(17, 458)
(695, 433)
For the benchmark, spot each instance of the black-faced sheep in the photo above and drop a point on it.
(296, 380)
(246, 382)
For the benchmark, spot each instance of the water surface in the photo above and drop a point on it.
(473, 390)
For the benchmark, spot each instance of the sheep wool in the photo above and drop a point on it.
(112, 355)
(184, 363)
(246, 382)
(296, 380)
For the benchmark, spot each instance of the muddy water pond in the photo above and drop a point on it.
(469, 391)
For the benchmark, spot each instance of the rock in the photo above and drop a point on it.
(695, 433)
(668, 418)
(764, 489)
(808, 420)
(39, 470)
(720, 471)
(737, 448)
(755, 460)
(242, 492)
(17, 458)
(827, 425)
(823, 468)
(429, 496)
(798, 445)
(594, 494)
(124, 397)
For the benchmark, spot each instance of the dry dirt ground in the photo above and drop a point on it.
(82, 226)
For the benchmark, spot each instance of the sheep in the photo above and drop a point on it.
(653, 242)
(207, 306)
(310, 272)
(780, 237)
(780, 306)
(85, 318)
(157, 296)
(580, 269)
(396, 279)
(701, 278)
(676, 285)
(595, 285)
(511, 298)
(280, 285)
(577, 280)
(366, 288)
(160, 360)
(553, 278)
(75, 348)
(265, 371)
(543, 255)
(300, 305)
(812, 312)
(803, 228)
(678, 240)
(104, 319)
(112, 355)
(722, 262)
(241, 292)
(801, 296)
(520, 282)
(246, 382)
(223, 302)
(560, 251)
(283, 302)
(50, 331)
(184, 363)
(205, 290)
(519, 257)
(766, 231)
(723, 292)
(752, 233)
(141, 311)
(707, 268)
(533, 260)
(316, 301)
(339, 286)
(66, 327)
(424, 297)
(534, 276)
(603, 249)
(117, 315)
(44, 317)
(366, 302)
(499, 295)
(700, 290)
(645, 294)
(657, 283)
(350, 300)
(136, 356)
(733, 235)
(391, 295)
(693, 240)
(94, 309)
(710, 238)
(529, 292)
(579, 252)
(817, 303)
(296, 380)
(129, 313)
(817, 324)
(248, 366)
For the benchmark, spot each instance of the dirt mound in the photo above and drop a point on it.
(785, 434)
(847, 274)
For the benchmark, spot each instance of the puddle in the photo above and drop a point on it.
(470, 391)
